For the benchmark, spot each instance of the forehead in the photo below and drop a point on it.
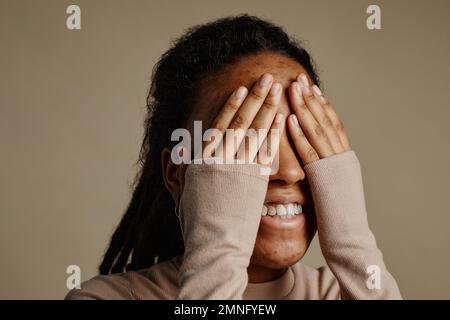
(215, 89)
(247, 70)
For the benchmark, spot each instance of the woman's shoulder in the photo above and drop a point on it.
(157, 282)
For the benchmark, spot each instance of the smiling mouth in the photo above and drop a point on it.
(284, 211)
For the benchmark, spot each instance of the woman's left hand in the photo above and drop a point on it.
(315, 128)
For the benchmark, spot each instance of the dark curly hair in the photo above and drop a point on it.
(149, 230)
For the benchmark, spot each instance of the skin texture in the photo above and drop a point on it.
(310, 130)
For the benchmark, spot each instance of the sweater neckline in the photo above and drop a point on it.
(272, 290)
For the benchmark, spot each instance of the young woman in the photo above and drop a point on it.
(225, 231)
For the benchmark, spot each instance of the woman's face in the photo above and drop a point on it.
(281, 242)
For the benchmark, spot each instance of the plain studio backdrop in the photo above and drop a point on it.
(73, 103)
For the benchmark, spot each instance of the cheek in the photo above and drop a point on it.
(181, 176)
(281, 250)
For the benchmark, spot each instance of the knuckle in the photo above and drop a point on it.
(301, 109)
(326, 121)
(340, 126)
(327, 104)
(324, 100)
(311, 154)
(234, 105)
(309, 95)
(239, 121)
(269, 104)
(303, 106)
(318, 130)
(256, 94)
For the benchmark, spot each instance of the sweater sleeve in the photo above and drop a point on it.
(348, 245)
(220, 210)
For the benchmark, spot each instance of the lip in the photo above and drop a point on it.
(277, 223)
(274, 200)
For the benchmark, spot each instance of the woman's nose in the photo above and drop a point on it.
(290, 170)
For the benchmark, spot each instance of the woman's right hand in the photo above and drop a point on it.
(219, 213)
(243, 111)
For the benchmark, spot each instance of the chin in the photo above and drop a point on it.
(281, 247)
(278, 254)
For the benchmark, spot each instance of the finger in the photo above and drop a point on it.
(245, 115)
(317, 110)
(312, 129)
(269, 148)
(301, 143)
(337, 123)
(249, 146)
(262, 122)
(223, 120)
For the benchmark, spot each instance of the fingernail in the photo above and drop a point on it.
(294, 120)
(265, 80)
(241, 92)
(275, 89)
(297, 88)
(317, 90)
(304, 80)
(278, 118)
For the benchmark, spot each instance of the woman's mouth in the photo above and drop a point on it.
(282, 216)
(283, 211)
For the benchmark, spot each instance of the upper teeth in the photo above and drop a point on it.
(282, 210)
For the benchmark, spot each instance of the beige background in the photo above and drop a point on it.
(72, 106)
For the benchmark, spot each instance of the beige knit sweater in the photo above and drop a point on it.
(220, 212)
